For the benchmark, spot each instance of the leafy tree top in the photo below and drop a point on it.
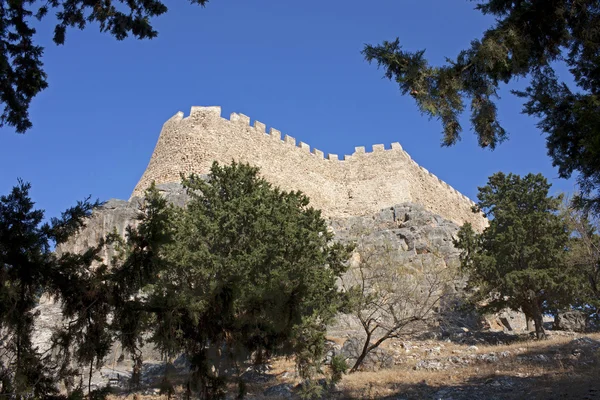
(518, 261)
(29, 268)
(244, 268)
(250, 256)
(525, 231)
(22, 75)
(529, 38)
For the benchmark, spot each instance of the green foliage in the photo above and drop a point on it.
(244, 269)
(99, 394)
(28, 268)
(247, 264)
(136, 269)
(23, 77)
(267, 248)
(76, 394)
(518, 261)
(529, 38)
(311, 389)
(309, 347)
(584, 258)
(339, 367)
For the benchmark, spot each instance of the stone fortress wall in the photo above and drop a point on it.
(359, 184)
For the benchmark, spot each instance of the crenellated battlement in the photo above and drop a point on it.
(275, 134)
(355, 184)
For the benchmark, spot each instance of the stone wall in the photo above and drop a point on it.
(359, 184)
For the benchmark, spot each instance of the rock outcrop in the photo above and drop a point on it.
(417, 239)
(375, 360)
(573, 321)
(117, 215)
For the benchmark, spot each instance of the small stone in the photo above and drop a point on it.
(281, 391)
(430, 365)
(289, 375)
(490, 358)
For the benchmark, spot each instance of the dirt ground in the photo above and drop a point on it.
(565, 366)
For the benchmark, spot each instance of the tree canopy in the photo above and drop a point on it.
(22, 75)
(243, 271)
(529, 38)
(518, 261)
(584, 258)
(28, 268)
(246, 269)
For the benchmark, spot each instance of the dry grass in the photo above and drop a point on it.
(559, 375)
(543, 377)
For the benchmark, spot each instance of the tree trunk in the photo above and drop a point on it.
(90, 378)
(188, 390)
(363, 354)
(20, 330)
(136, 373)
(538, 320)
(539, 327)
(527, 309)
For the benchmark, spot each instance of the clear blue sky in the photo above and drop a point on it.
(295, 66)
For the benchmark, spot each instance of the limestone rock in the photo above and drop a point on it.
(419, 238)
(508, 321)
(375, 360)
(114, 215)
(332, 349)
(281, 391)
(430, 365)
(574, 321)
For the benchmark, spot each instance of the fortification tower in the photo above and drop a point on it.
(357, 184)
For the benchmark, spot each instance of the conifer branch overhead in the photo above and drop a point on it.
(22, 75)
(528, 40)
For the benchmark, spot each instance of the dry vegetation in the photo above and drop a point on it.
(565, 366)
(562, 372)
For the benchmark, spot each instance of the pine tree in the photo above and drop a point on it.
(245, 270)
(28, 269)
(22, 75)
(529, 39)
(584, 258)
(518, 261)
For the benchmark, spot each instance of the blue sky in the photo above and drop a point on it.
(295, 66)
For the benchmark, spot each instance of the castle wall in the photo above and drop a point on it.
(360, 184)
